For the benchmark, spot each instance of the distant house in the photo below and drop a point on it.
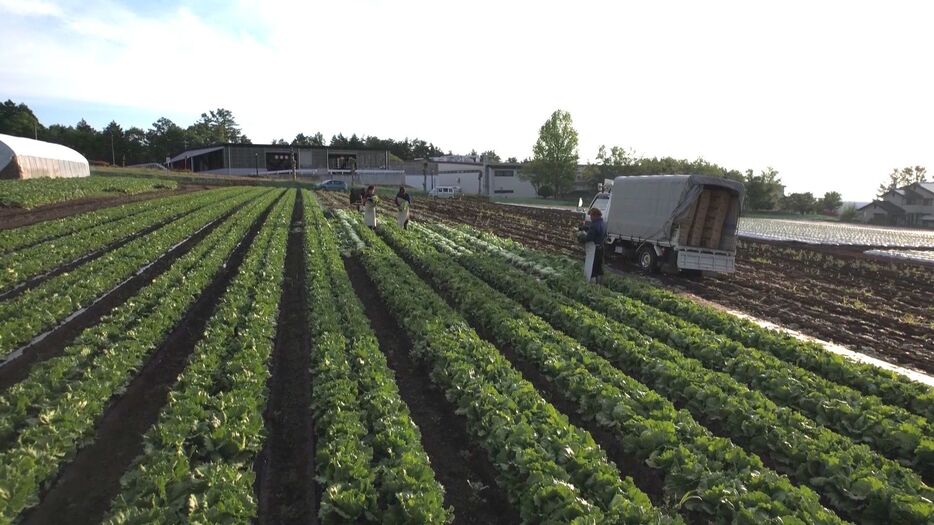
(910, 206)
(472, 174)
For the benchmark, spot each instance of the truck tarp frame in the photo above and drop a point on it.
(654, 203)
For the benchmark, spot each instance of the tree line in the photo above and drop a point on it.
(121, 146)
(554, 169)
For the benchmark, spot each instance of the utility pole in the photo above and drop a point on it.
(425, 176)
(113, 155)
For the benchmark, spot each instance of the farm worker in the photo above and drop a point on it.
(369, 206)
(594, 240)
(403, 201)
(356, 197)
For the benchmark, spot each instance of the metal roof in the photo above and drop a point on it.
(194, 153)
(927, 186)
(885, 205)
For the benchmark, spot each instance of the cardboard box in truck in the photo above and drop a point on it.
(687, 222)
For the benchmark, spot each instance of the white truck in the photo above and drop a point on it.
(685, 222)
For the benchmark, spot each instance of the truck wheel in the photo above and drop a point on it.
(647, 258)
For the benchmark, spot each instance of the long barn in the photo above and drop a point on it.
(261, 159)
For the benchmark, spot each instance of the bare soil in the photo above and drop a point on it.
(462, 468)
(285, 469)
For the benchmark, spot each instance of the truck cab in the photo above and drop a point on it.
(684, 222)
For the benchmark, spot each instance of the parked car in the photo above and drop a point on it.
(445, 192)
(333, 185)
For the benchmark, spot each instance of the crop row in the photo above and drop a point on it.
(34, 260)
(26, 236)
(45, 418)
(857, 481)
(893, 431)
(41, 308)
(36, 192)
(552, 470)
(370, 461)
(890, 387)
(711, 476)
(198, 461)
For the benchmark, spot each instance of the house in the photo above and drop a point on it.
(882, 213)
(472, 174)
(910, 206)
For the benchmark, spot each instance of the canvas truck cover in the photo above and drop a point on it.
(22, 158)
(646, 207)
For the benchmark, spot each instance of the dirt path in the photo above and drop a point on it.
(462, 468)
(285, 468)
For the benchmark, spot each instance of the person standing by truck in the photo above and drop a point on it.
(594, 239)
(403, 202)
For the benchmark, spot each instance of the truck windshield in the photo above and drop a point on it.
(601, 202)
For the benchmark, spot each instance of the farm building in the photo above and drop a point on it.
(471, 174)
(911, 206)
(22, 158)
(265, 159)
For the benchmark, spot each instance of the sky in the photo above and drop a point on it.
(832, 94)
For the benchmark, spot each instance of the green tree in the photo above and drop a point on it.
(848, 213)
(902, 177)
(554, 156)
(800, 202)
(308, 140)
(19, 120)
(914, 174)
(763, 191)
(216, 126)
(830, 202)
(165, 139)
(490, 156)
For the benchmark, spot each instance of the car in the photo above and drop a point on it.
(445, 192)
(333, 185)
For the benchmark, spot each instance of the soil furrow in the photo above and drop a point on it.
(17, 217)
(35, 281)
(51, 343)
(285, 481)
(468, 476)
(85, 487)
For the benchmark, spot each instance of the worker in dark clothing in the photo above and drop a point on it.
(596, 234)
(356, 197)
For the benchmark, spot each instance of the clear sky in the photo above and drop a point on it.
(833, 94)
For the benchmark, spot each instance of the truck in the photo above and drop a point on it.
(676, 222)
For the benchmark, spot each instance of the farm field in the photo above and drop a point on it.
(258, 354)
(37, 192)
(877, 306)
(926, 256)
(834, 233)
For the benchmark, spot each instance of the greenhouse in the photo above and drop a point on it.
(22, 158)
